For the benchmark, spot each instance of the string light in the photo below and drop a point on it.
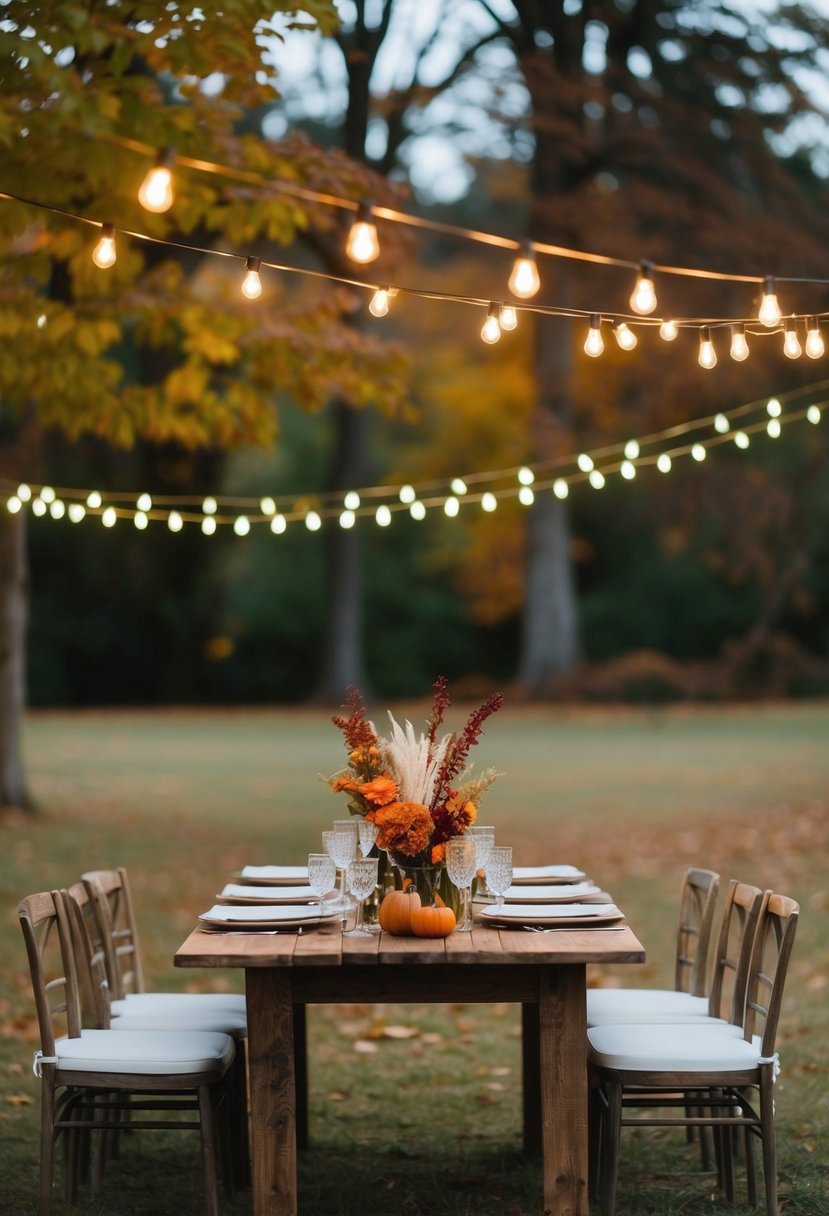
(707, 354)
(489, 502)
(241, 525)
(663, 462)
(313, 522)
(407, 494)
(363, 245)
(491, 329)
(417, 511)
(278, 525)
(698, 452)
(769, 314)
(628, 470)
(526, 496)
(451, 507)
(508, 317)
(668, 330)
(791, 343)
(524, 281)
(560, 488)
(93, 500)
(252, 284)
(144, 502)
(584, 462)
(624, 336)
(739, 345)
(57, 509)
(24, 492)
(104, 253)
(174, 521)
(632, 449)
(109, 518)
(140, 520)
(596, 479)
(526, 476)
(156, 191)
(76, 511)
(209, 506)
(47, 494)
(643, 296)
(774, 409)
(774, 428)
(383, 515)
(813, 415)
(458, 486)
(267, 506)
(379, 306)
(209, 525)
(351, 502)
(741, 439)
(721, 424)
(13, 504)
(594, 343)
(814, 339)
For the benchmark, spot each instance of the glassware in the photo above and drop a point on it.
(342, 847)
(499, 872)
(367, 834)
(361, 878)
(460, 856)
(484, 837)
(322, 875)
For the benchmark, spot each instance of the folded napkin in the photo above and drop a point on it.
(539, 873)
(276, 873)
(276, 895)
(542, 893)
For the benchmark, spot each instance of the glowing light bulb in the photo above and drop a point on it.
(491, 330)
(774, 428)
(93, 500)
(156, 191)
(351, 501)
(489, 502)
(526, 497)
(813, 414)
(707, 354)
(209, 525)
(643, 296)
(769, 313)
(524, 280)
(628, 470)
(109, 518)
(814, 339)
(252, 284)
(508, 317)
(739, 345)
(104, 253)
(47, 494)
(144, 502)
(668, 331)
(560, 488)
(791, 343)
(362, 245)
(57, 509)
(383, 515)
(241, 525)
(313, 522)
(379, 306)
(347, 519)
(526, 476)
(24, 492)
(174, 521)
(632, 449)
(741, 439)
(721, 424)
(663, 463)
(407, 494)
(140, 520)
(417, 511)
(457, 486)
(267, 506)
(698, 452)
(625, 337)
(594, 342)
(76, 511)
(39, 507)
(584, 462)
(774, 409)
(13, 504)
(596, 479)
(278, 525)
(451, 507)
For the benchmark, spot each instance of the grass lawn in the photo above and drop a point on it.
(416, 1110)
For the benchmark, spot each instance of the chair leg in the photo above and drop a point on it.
(768, 1138)
(208, 1150)
(238, 1117)
(610, 1144)
(47, 1144)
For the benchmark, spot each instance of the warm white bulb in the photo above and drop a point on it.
(584, 462)
(774, 428)
(632, 449)
(313, 521)
(668, 330)
(526, 476)
(252, 284)
(13, 504)
(278, 525)
(156, 192)
(628, 470)
(104, 253)
(267, 506)
(109, 517)
(451, 507)
(210, 506)
(624, 336)
(594, 342)
(363, 244)
(93, 500)
(791, 343)
(526, 496)
(458, 486)
(663, 463)
(209, 525)
(379, 305)
(24, 492)
(560, 488)
(739, 345)
(407, 494)
(813, 414)
(489, 502)
(174, 521)
(508, 317)
(241, 525)
(741, 439)
(524, 280)
(76, 512)
(39, 507)
(707, 354)
(491, 330)
(417, 511)
(721, 424)
(814, 340)
(140, 520)
(144, 502)
(48, 494)
(351, 501)
(698, 452)
(596, 479)
(643, 296)
(769, 313)
(383, 515)
(57, 509)
(347, 519)
(773, 408)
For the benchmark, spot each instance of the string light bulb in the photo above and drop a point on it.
(351, 502)
(643, 296)
(104, 253)
(594, 342)
(739, 345)
(363, 245)
(625, 336)
(707, 354)
(668, 331)
(508, 317)
(769, 313)
(524, 281)
(379, 306)
(663, 462)
(156, 191)
(791, 343)
(491, 329)
(252, 284)
(814, 339)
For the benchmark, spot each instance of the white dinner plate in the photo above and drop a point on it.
(265, 916)
(547, 874)
(279, 876)
(565, 915)
(242, 893)
(560, 893)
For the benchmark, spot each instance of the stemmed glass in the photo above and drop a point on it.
(341, 845)
(484, 837)
(460, 858)
(322, 875)
(361, 877)
(367, 833)
(499, 872)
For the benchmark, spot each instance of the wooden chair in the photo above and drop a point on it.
(88, 1075)
(113, 942)
(690, 992)
(712, 1073)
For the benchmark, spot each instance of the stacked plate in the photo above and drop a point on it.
(277, 876)
(275, 917)
(562, 916)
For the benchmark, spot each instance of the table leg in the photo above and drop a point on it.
(563, 1066)
(301, 1074)
(530, 1077)
(272, 1090)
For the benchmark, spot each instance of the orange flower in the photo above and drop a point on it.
(346, 783)
(404, 827)
(438, 853)
(379, 792)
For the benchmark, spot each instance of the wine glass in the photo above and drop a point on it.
(460, 858)
(361, 878)
(484, 837)
(367, 833)
(322, 875)
(499, 872)
(342, 847)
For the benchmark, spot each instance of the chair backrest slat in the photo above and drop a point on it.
(51, 967)
(696, 918)
(111, 900)
(90, 961)
(768, 967)
(731, 959)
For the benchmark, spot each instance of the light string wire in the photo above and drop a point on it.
(522, 482)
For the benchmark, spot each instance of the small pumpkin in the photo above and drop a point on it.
(396, 912)
(435, 921)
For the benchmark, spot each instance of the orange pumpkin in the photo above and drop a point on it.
(432, 922)
(396, 912)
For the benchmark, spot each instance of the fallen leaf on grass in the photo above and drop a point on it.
(365, 1047)
(18, 1100)
(400, 1032)
(337, 1097)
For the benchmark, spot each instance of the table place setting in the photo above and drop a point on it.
(555, 893)
(278, 876)
(548, 874)
(241, 893)
(575, 915)
(274, 917)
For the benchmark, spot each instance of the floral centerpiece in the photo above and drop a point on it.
(417, 789)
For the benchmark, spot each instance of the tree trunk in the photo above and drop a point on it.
(13, 602)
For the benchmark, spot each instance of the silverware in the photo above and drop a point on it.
(575, 928)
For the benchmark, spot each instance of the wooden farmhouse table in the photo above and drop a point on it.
(545, 972)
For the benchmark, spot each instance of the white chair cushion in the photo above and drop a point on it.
(134, 1013)
(642, 1047)
(642, 1005)
(150, 1052)
(164, 1001)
